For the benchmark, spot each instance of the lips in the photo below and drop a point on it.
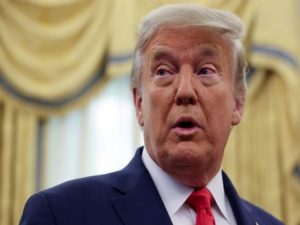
(186, 126)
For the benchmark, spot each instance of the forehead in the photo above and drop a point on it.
(179, 40)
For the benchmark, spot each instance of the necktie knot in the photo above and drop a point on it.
(201, 201)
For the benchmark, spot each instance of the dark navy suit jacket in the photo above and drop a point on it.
(126, 197)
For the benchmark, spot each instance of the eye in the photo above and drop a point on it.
(162, 72)
(206, 71)
(208, 74)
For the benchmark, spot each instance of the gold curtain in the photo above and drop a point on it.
(51, 51)
(56, 54)
(17, 161)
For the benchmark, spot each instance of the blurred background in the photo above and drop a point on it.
(66, 109)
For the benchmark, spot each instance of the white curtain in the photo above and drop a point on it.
(100, 138)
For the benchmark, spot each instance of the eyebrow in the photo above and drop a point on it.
(160, 53)
(207, 50)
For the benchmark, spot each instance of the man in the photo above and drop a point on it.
(188, 85)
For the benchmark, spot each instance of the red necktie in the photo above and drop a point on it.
(201, 201)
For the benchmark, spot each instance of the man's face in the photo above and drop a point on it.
(186, 103)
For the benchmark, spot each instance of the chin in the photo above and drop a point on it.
(190, 174)
(183, 156)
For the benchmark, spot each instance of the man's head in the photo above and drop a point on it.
(188, 83)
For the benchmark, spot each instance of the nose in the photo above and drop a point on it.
(186, 93)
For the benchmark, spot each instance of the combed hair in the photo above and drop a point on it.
(219, 21)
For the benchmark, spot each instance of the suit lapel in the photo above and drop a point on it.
(140, 202)
(241, 211)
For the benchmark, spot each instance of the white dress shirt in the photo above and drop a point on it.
(174, 194)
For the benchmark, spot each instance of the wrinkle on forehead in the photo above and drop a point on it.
(193, 32)
(205, 49)
(194, 55)
(203, 40)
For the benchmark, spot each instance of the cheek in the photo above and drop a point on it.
(158, 102)
(156, 110)
(219, 109)
(151, 109)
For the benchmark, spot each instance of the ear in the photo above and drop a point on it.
(239, 107)
(137, 98)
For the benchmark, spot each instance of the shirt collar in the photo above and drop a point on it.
(174, 193)
(216, 188)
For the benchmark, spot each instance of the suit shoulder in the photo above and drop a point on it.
(85, 185)
(261, 216)
(82, 191)
(73, 202)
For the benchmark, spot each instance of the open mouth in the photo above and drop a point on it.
(186, 127)
(186, 124)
